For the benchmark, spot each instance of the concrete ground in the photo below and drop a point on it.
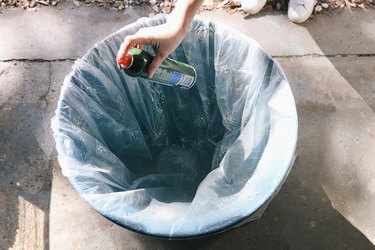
(328, 200)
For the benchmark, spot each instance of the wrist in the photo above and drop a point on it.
(178, 22)
(183, 13)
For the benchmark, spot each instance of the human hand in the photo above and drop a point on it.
(165, 38)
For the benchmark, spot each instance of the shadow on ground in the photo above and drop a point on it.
(25, 174)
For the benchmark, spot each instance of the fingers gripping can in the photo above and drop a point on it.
(170, 72)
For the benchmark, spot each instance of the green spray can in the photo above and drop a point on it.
(170, 72)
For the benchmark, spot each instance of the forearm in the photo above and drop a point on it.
(184, 12)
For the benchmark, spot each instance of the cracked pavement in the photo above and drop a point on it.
(326, 202)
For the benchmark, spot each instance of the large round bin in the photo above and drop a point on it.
(172, 162)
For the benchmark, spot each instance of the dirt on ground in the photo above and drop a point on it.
(328, 7)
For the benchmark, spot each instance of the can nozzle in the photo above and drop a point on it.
(125, 61)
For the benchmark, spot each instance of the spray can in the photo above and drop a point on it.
(170, 72)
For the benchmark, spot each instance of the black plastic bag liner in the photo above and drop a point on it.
(172, 162)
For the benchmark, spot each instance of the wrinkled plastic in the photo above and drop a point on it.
(172, 162)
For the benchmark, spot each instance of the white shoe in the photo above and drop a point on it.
(252, 6)
(300, 10)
